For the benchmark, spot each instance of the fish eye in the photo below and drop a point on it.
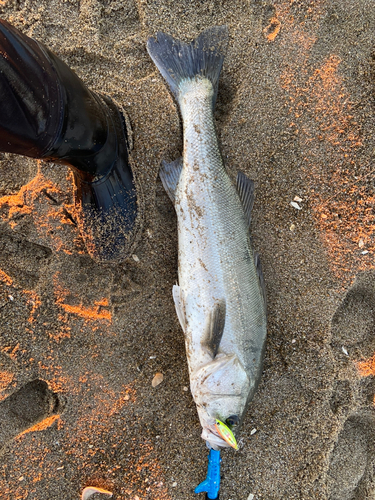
(232, 421)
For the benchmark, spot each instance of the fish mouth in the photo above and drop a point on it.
(211, 435)
(210, 431)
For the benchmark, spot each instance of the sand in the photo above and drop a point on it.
(81, 342)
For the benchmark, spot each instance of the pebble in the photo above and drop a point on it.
(295, 205)
(185, 389)
(174, 484)
(297, 198)
(345, 351)
(158, 379)
(135, 257)
(361, 243)
(292, 227)
(253, 431)
(250, 497)
(364, 252)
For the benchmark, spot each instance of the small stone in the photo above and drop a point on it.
(185, 389)
(91, 446)
(361, 243)
(365, 252)
(135, 257)
(295, 205)
(21, 478)
(250, 497)
(345, 351)
(174, 484)
(60, 468)
(297, 198)
(292, 227)
(253, 431)
(158, 379)
(126, 397)
(11, 297)
(294, 341)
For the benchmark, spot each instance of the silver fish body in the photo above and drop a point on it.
(219, 300)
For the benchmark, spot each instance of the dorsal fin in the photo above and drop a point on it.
(245, 188)
(215, 323)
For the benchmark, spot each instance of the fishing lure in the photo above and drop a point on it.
(226, 434)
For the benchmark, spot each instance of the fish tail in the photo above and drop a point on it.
(178, 61)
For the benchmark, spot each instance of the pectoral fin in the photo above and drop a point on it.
(245, 188)
(179, 305)
(170, 175)
(214, 328)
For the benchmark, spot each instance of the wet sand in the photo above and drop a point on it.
(80, 342)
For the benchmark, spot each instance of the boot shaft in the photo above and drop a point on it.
(48, 112)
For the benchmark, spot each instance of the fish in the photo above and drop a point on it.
(220, 297)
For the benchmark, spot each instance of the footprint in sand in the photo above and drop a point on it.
(21, 259)
(28, 406)
(354, 321)
(352, 462)
(351, 469)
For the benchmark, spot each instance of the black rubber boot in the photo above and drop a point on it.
(48, 113)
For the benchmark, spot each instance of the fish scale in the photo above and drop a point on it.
(222, 225)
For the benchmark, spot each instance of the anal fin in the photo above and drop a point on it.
(259, 271)
(170, 175)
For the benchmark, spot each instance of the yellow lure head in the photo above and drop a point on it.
(226, 434)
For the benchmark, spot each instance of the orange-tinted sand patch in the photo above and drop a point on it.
(272, 30)
(367, 367)
(41, 426)
(92, 313)
(96, 312)
(323, 117)
(34, 301)
(45, 202)
(6, 379)
(12, 351)
(5, 278)
(96, 425)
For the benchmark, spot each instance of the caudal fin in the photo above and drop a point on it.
(202, 58)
